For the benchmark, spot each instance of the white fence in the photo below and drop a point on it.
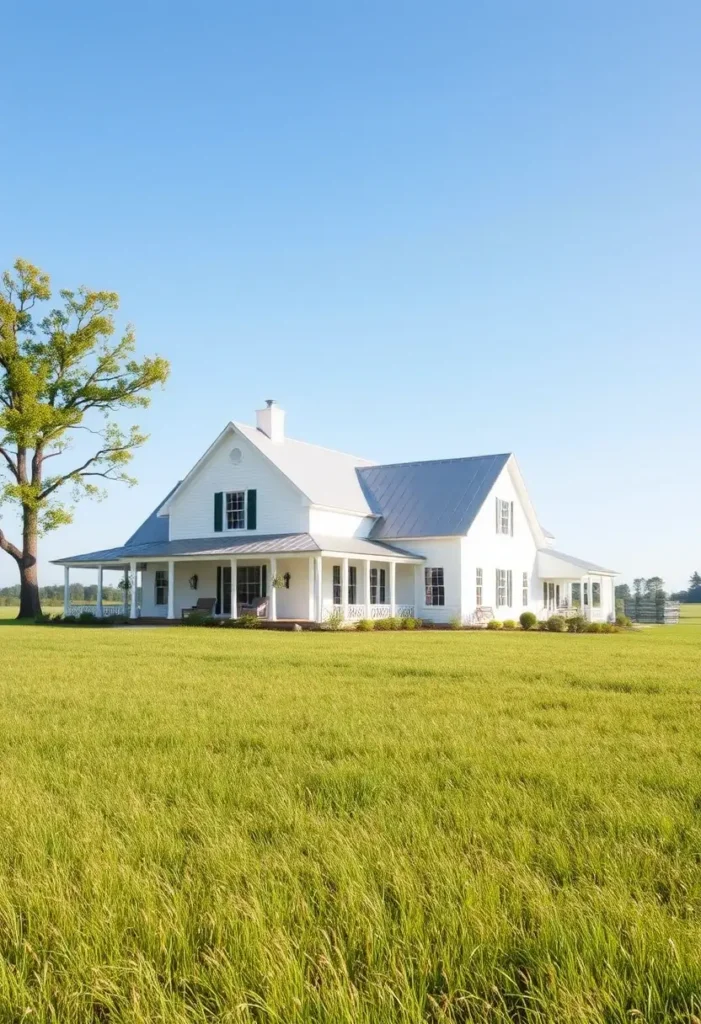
(355, 612)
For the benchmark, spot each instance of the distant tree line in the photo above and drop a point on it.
(654, 588)
(10, 596)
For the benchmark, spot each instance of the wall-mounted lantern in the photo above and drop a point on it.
(194, 580)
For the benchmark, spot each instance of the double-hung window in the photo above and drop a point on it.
(161, 586)
(596, 595)
(378, 586)
(352, 584)
(479, 582)
(337, 584)
(435, 586)
(524, 586)
(236, 510)
(504, 588)
(505, 517)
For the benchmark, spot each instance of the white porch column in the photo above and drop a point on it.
(392, 588)
(171, 589)
(310, 591)
(344, 588)
(234, 595)
(99, 592)
(367, 588)
(66, 589)
(319, 581)
(418, 589)
(273, 591)
(134, 607)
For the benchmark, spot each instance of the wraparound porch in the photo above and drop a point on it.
(292, 587)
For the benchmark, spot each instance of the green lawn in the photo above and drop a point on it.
(272, 827)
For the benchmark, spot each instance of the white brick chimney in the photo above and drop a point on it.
(271, 421)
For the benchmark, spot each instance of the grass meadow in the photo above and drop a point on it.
(351, 829)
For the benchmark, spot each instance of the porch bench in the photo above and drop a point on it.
(204, 606)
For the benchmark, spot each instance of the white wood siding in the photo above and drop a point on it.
(488, 550)
(441, 553)
(280, 506)
(339, 524)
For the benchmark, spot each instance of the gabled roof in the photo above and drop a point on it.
(271, 544)
(325, 477)
(429, 499)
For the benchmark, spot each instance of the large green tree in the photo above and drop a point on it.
(62, 371)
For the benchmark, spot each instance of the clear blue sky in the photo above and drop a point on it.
(428, 230)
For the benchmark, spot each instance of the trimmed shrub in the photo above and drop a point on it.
(87, 618)
(195, 619)
(494, 624)
(577, 624)
(409, 623)
(528, 620)
(391, 623)
(69, 620)
(610, 627)
(249, 621)
(556, 624)
(456, 622)
(595, 627)
(365, 625)
(624, 622)
(509, 624)
(211, 623)
(118, 620)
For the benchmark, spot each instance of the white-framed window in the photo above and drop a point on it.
(479, 585)
(236, 510)
(378, 586)
(161, 586)
(525, 588)
(504, 588)
(505, 517)
(435, 586)
(596, 595)
(576, 595)
(337, 584)
(352, 584)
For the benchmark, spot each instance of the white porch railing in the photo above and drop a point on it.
(355, 612)
(107, 609)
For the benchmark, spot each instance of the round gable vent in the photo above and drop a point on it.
(235, 456)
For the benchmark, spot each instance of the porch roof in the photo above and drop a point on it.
(272, 544)
(555, 565)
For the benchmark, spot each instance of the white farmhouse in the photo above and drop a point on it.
(294, 531)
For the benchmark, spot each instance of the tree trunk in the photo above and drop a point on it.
(29, 603)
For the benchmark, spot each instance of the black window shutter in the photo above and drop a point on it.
(263, 579)
(252, 510)
(218, 512)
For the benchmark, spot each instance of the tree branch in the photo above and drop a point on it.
(80, 470)
(6, 545)
(13, 466)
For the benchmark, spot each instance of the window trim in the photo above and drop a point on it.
(352, 584)
(162, 586)
(336, 585)
(238, 511)
(378, 586)
(434, 586)
(479, 588)
(525, 589)
(505, 518)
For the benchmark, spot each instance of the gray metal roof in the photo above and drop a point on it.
(429, 499)
(273, 544)
(154, 529)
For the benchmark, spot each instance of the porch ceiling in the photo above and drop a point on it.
(208, 548)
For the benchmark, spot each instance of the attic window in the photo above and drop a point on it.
(235, 456)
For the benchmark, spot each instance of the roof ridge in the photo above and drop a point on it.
(437, 462)
(309, 444)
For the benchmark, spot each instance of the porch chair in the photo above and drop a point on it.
(258, 607)
(483, 615)
(204, 606)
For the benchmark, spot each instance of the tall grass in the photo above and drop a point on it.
(441, 827)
